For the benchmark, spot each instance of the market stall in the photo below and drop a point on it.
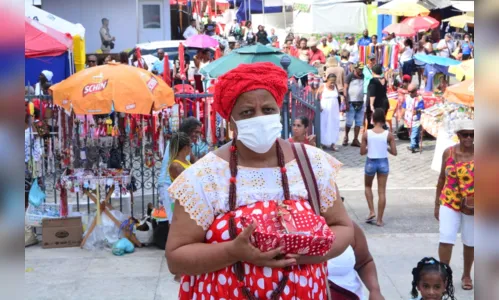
(438, 120)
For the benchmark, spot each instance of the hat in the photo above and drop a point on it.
(464, 124)
(312, 42)
(245, 78)
(48, 74)
(331, 62)
(231, 39)
(359, 65)
(372, 56)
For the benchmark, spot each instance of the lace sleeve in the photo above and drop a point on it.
(326, 169)
(187, 190)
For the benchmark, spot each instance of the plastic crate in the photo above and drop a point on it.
(35, 215)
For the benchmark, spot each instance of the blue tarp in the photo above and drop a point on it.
(59, 65)
(383, 21)
(436, 60)
(256, 7)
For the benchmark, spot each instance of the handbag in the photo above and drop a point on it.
(36, 195)
(310, 182)
(468, 202)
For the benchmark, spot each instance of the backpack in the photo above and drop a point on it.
(346, 67)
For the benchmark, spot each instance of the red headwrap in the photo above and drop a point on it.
(406, 78)
(245, 78)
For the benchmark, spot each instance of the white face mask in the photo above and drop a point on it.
(259, 133)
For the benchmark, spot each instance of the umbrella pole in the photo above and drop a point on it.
(263, 11)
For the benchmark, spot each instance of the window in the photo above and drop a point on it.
(151, 16)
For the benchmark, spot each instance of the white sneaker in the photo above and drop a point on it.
(29, 236)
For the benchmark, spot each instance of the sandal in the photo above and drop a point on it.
(355, 143)
(345, 141)
(467, 284)
(371, 219)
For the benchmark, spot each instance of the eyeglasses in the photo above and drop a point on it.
(92, 61)
(467, 134)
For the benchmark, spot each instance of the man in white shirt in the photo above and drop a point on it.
(353, 48)
(191, 30)
(446, 46)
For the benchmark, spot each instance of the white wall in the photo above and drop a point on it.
(121, 14)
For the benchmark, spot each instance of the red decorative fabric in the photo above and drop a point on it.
(245, 78)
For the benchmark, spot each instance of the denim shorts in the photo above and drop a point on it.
(377, 165)
(355, 115)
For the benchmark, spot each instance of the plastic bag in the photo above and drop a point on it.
(105, 234)
(36, 195)
(123, 246)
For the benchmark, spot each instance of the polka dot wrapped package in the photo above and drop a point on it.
(292, 225)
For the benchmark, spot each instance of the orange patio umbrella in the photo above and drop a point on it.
(129, 89)
(462, 93)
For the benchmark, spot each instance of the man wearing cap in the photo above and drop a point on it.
(353, 48)
(411, 110)
(354, 93)
(325, 47)
(368, 73)
(446, 46)
(45, 78)
(315, 55)
(232, 44)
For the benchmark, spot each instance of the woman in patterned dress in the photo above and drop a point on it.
(456, 186)
(253, 175)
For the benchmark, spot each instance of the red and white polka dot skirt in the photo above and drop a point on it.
(305, 281)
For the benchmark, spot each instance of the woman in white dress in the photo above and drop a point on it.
(330, 112)
(354, 268)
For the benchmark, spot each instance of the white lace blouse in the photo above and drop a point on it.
(203, 189)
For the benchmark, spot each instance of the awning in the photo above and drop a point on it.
(465, 6)
(429, 4)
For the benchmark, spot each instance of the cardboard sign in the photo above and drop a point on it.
(62, 232)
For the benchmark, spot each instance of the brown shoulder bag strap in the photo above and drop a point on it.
(307, 173)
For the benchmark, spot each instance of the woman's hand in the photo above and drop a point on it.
(241, 249)
(437, 212)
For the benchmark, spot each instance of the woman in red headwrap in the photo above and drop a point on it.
(255, 174)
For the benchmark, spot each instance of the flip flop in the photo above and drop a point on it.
(345, 143)
(355, 144)
(371, 219)
(467, 284)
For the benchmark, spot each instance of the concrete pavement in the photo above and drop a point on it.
(410, 233)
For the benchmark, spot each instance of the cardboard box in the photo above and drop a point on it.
(62, 232)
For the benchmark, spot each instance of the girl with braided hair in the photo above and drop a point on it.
(433, 279)
(255, 174)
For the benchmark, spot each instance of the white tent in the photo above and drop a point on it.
(54, 22)
(324, 16)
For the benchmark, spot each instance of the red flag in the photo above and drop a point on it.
(181, 60)
(139, 58)
(218, 53)
(166, 70)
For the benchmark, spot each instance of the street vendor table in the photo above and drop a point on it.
(91, 182)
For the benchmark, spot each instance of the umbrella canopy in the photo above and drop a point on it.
(96, 90)
(201, 41)
(462, 93)
(400, 29)
(403, 8)
(254, 54)
(421, 23)
(437, 60)
(464, 70)
(460, 21)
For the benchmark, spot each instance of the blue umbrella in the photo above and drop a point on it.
(437, 60)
